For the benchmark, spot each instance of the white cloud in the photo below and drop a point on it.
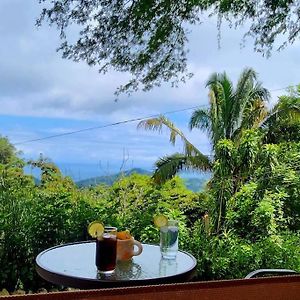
(65, 96)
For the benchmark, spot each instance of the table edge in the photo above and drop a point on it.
(80, 282)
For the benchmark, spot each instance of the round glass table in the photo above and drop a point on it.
(73, 265)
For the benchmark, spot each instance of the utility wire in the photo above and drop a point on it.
(121, 122)
(107, 125)
(280, 89)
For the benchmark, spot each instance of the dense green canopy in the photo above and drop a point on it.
(148, 38)
(7, 151)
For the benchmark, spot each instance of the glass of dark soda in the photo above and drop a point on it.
(106, 250)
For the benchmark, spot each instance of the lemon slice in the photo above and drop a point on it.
(160, 221)
(95, 229)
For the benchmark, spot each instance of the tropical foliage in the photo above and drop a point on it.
(282, 122)
(231, 114)
(7, 151)
(262, 219)
(35, 217)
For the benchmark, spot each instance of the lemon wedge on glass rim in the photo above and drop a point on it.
(95, 229)
(160, 220)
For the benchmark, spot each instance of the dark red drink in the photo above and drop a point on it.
(106, 252)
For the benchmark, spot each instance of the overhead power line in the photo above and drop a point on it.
(285, 88)
(107, 125)
(122, 122)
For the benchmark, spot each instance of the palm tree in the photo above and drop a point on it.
(230, 111)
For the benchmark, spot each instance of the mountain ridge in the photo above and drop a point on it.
(194, 184)
(110, 179)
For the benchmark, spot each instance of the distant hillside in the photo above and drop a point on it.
(194, 184)
(110, 179)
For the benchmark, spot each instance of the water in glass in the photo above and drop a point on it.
(169, 240)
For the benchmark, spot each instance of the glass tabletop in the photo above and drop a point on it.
(77, 261)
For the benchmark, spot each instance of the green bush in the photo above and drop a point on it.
(262, 219)
(228, 256)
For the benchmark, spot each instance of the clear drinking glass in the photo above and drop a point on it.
(169, 240)
(106, 250)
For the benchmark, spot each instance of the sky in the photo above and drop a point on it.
(42, 95)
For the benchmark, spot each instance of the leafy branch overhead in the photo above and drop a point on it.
(147, 38)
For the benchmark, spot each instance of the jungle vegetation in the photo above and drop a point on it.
(247, 218)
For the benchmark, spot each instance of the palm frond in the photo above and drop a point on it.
(168, 166)
(246, 80)
(259, 92)
(200, 119)
(221, 92)
(250, 102)
(154, 124)
(158, 123)
(254, 114)
(227, 105)
(199, 162)
(251, 118)
(213, 79)
(244, 86)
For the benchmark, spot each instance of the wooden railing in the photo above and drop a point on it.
(274, 288)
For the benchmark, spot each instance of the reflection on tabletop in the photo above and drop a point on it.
(167, 267)
(128, 269)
